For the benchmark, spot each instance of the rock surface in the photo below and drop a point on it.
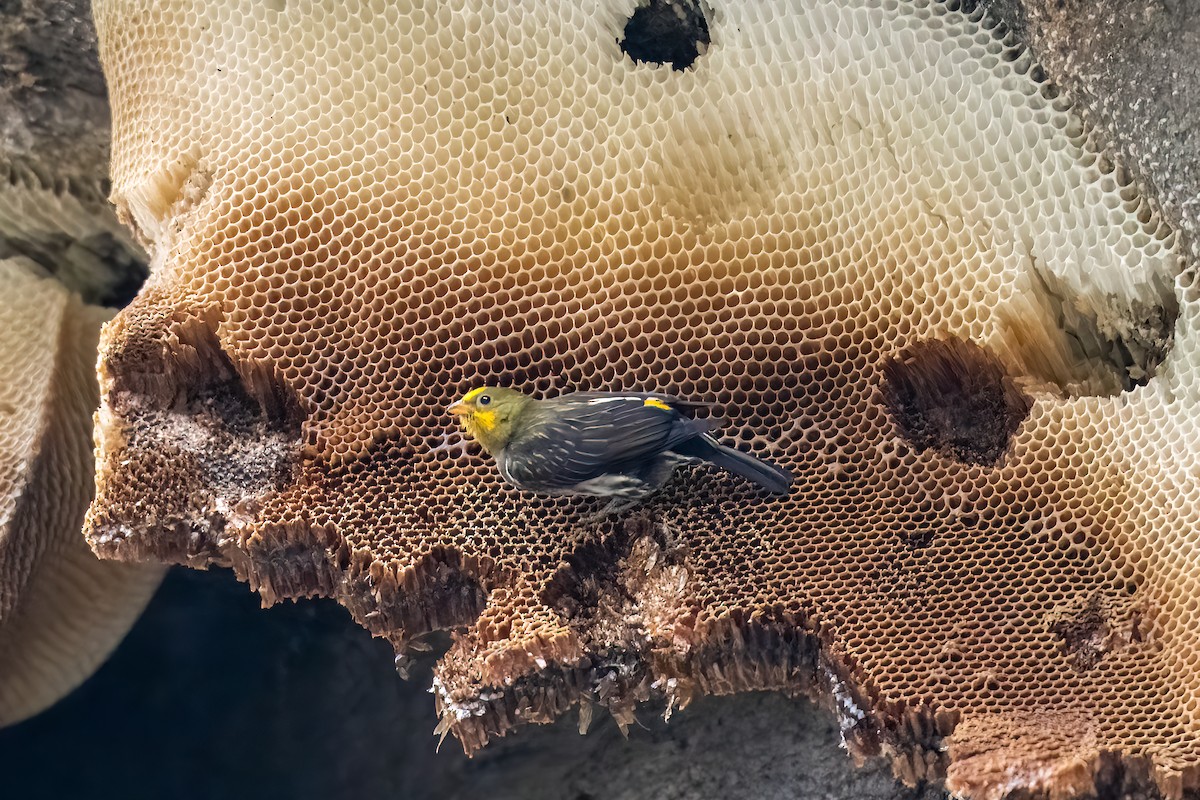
(1082, 51)
(54, 145)
(1130, 68)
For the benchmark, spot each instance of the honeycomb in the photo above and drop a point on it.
(61, 610)
(869, 230)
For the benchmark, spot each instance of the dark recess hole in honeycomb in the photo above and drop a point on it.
(194, 373)
(1090, 631)
(671, 32)
(591, 574)
(1084, 634)
(242, 395)
(587, 574)
(956, 397)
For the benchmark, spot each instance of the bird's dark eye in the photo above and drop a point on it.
(484, 400)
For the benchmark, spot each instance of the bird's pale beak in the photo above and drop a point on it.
(459, 410)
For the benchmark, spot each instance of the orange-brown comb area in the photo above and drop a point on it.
(862, 230)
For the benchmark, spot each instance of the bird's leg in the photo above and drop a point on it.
(614, 506)
(617, 505)
(622, 490)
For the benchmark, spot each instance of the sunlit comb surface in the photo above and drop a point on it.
(861, 228)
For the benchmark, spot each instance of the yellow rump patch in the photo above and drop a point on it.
(655, 403)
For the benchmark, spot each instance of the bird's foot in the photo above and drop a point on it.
(609, 509)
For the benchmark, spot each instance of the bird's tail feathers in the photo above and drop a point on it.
(744, 465)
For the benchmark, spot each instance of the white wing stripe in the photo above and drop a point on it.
(598, 400)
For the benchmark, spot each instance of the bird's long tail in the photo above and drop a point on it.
(744, 465)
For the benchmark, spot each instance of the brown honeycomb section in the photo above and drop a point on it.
(356, 214)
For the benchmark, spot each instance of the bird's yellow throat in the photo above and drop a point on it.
(480, 422)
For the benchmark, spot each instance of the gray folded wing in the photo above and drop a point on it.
(580, 436)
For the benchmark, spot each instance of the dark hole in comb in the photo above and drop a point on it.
(671, 32)
(956, 397)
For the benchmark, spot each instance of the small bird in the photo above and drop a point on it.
(619, 445)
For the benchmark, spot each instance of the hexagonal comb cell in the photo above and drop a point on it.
(358, 212)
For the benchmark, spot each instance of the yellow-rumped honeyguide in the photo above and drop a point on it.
(618, 445)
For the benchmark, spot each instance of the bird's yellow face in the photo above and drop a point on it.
(488, 414)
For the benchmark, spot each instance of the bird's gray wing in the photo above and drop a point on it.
(578, 437)
(685, 407)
